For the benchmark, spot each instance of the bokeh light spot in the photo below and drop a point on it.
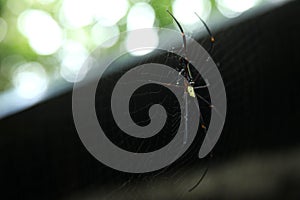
(46, 1)
(105, 36)
(30, 80)
(73, 56)
(108, 13)
(3, 29)
(141, 15)
(44, 34)
(76, 13)
(17, 6)
(138, 44)
(185, 10)
(231, 8)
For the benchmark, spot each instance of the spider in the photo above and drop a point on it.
(189, 82)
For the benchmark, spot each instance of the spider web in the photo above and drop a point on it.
(140, 102)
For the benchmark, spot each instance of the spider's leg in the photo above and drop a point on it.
(207, 167)
(212, 38)
(204, 173)
(181, 30)
(200, 180)
(186, 112)
(186, 67)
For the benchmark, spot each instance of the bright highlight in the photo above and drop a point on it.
(44, 35)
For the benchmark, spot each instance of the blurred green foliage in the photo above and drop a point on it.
(14, 43)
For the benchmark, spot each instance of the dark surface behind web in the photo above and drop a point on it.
(43, 157)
